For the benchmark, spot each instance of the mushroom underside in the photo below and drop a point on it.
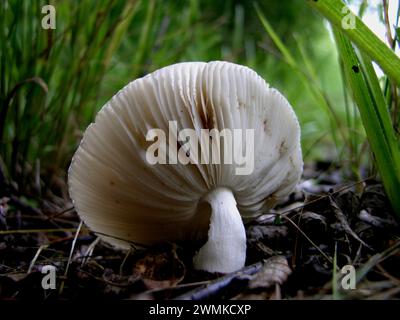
(125, 199)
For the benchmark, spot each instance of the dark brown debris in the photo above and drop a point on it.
(290, 251)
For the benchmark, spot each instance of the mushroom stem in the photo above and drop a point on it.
(225, 250)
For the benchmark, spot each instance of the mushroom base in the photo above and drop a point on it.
(225, 250)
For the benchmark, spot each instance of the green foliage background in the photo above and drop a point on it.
(52, 82)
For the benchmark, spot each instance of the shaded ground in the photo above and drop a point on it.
(292, 251)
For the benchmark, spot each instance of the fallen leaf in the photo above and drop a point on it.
(255, 233)
(161, 268)
(275, 270)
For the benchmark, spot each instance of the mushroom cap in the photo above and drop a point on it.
(123, 198)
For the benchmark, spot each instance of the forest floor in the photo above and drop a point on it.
(306, 248)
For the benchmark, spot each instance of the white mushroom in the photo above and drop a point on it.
(124, 198)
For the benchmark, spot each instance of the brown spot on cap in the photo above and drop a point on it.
(283, 148)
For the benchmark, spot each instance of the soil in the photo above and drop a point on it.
(306, 248)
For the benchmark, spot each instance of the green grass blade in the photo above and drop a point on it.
(128, 13)
(306, 77)
(361, 36)
(140, 56)
(275, 38)
(335, 286)
(365, 88)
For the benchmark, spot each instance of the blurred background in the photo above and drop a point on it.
(52, 82)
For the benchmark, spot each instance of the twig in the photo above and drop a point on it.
(217, 285)
(312, 242)
(108, 282)
(4, 232)
(342, 219)
(388, 275)
(55, 215)
(389, 37)
(286, 212)
(179, 286)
